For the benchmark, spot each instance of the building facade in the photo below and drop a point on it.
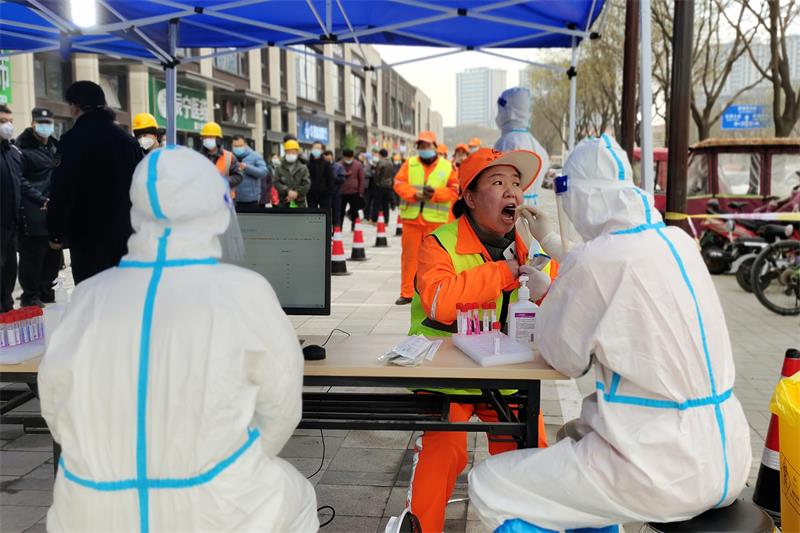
(477, 90)
(260, 94)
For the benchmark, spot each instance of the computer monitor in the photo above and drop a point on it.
(292, 249)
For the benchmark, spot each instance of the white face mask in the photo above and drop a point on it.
(7, 130)
(276, 162)
(210, 143)
(146, 143)
(291, 158)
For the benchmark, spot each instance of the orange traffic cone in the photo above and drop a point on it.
(767, 494)
(399, 228)
(338, 260)
(358, 253)
(380, 240)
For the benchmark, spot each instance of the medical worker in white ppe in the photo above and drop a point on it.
(514, 118)
(174, 381)
(662, 438)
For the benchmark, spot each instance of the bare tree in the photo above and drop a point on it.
(775, 17)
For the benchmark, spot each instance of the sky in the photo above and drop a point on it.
(437, 77)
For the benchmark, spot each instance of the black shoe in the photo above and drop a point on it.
(402, 301)
(48, 298)
(33, 302)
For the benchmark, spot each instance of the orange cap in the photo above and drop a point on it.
(427, 137)
(441, 149)
(526, 162)
(463, 147)
(474, 142)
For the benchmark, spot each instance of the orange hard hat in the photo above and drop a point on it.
(462, 147)
(441, 149)
(474, 142)
(426, 137)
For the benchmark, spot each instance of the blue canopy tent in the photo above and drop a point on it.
(155, 29)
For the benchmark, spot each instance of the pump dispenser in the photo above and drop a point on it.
(522, 315)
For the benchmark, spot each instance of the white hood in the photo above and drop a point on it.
(601, 197)
(178, 188)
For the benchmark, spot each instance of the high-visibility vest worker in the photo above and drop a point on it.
(211, 135)
(427, 186)
(463, 262)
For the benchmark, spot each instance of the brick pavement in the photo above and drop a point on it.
(365, 474)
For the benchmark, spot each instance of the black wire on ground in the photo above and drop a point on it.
(322, 460)
(333, 515)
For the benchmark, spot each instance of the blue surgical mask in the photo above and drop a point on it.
(315, 153)
(44, 129)
(427, 154)
(240, 150)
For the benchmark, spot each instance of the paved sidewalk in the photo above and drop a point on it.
(365, 474)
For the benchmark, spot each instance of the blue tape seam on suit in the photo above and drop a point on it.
(715, 399)
(142, 484)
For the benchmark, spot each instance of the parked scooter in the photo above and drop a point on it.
(732, 245)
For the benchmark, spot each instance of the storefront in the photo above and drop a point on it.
(236, 114)
(191, 107)
(311, 129)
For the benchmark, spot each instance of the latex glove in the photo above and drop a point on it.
(538, 281)
(538, 223)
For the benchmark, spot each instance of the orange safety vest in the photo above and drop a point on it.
(224, 164)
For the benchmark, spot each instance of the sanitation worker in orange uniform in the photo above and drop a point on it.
(427, 186)
(475, 259)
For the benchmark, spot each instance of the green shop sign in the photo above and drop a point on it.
(191, 106)
(5, 81)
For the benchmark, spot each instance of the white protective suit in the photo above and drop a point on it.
(513, 118)
(664, 438)
(174, 381)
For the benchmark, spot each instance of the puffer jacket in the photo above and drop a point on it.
(38, 161)
(249, 190)
(295, 177)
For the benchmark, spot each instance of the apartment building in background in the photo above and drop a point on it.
(477, 90)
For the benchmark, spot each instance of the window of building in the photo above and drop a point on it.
(265, 67)
(739, 173)
(115, 87)
(338, 89)
(374, 104)
(232, 63)
(50, 76)
(309, 74)
(358, 98)
(784, 174)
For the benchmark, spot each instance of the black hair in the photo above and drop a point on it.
(328, 152)
(5, 109)
(239, 137)
(347, 152)
(384, 152)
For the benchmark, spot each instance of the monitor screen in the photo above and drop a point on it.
(292, 249)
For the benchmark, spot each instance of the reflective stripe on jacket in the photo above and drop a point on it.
(438, 178)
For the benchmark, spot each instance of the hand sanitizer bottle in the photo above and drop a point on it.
(522, 315)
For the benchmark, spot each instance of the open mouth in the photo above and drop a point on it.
(508, 213)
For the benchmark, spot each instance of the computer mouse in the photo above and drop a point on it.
(313, 352)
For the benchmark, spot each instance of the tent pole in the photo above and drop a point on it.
(573, 88)
(680, 94)
(646, 98)
(628, 133)
(171, 75)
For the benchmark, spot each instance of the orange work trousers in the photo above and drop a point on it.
(413, 233)
(439, 458)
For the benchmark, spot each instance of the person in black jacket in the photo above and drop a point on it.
(38, 263)
(90, 204)
(12, 190)
(321, 171)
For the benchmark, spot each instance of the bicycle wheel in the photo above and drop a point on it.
(776, 277)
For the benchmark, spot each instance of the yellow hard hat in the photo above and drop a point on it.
(211, 129)
(291, 144)
(144, 121)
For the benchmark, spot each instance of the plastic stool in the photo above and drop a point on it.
(740, 517)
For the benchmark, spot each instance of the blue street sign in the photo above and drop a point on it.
(743, 117)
